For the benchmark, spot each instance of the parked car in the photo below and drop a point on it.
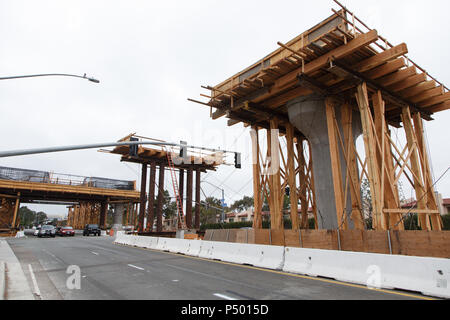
(47, 231)
(36, 231)
(65, 231)
(92, 229)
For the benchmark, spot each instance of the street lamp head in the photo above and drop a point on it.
(93, 80)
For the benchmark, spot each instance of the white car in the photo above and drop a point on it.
(36, 232)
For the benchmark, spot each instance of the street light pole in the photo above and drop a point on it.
(223, 199)
(51, 75)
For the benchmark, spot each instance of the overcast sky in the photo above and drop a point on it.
(150, 56)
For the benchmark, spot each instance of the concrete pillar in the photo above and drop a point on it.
(118, 216)
(308, 114)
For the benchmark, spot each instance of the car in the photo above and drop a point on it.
(92, 229)
(65, 231)
(47, 231)
(36, 231)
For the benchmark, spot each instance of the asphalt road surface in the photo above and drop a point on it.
(114, 272)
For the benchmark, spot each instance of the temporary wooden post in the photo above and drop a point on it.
(197, 199)
(159, 206)
(385, 165)
(378, 221)
(257, 194)
(303, 187)
(151, 198)
(436, 219)
(336, 165)
(419, 186)
(104, 213)
(189, 198)
(16, 210)
(143, 198)
(181, 187)
(291, 176)
(275, 196)
(352, 166)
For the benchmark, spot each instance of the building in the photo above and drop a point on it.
(443, 204)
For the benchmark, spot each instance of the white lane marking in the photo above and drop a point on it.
(175, 280)
(222, 296)
(133, 266)
(95, 253)
(33, 278)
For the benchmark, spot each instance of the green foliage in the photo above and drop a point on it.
(411, 222)
(244, 204)
(209, 210)
(446, 221)
(29, 217)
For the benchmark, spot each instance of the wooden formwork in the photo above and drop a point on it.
(409, 243)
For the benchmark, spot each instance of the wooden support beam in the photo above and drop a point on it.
(257, 196)
(291, 176)
(16, 210)
(419, 187)
(389, 191)
(436, 220)
(302, 166)
(197, 199)
(352, 166)
(143, 198)
(159, 226)
(189, 198)
(151, 198)
(378, 221)
(336, 165)
(276, 215)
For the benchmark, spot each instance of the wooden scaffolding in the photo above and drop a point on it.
(355, 70)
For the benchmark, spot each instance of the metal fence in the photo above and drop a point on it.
(63, 179)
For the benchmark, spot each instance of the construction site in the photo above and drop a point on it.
(321, 111)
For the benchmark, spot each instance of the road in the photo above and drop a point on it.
(114, 272)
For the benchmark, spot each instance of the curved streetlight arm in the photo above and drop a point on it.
(51, 75)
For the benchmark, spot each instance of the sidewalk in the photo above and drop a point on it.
(17, 287)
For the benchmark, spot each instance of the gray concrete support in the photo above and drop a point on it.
(308, 114)
(118, 217)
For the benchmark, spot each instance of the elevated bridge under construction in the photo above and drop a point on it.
(89, 197)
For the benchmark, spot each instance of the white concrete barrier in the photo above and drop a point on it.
(206, 250)
(192, 248)
(2, 280)
(430, 276)
(20, 234)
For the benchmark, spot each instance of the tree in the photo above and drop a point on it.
(209, 210)
(244, 204)
(26, 216)
(41, 217)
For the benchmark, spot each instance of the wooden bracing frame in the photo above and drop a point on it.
(279, 169)
(386, 163)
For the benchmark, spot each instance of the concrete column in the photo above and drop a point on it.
(118, 216)
(308, 114)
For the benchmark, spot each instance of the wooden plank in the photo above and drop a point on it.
(257, 196)
(440, 107)
(277, 237)
(292, 238)
(338, 53)
(416, 90)
(320, 239)
(396, 77)
(381, 58)
(428, 94)
(435, 100)
(409, 82)
(385, 69)
(261, 237)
